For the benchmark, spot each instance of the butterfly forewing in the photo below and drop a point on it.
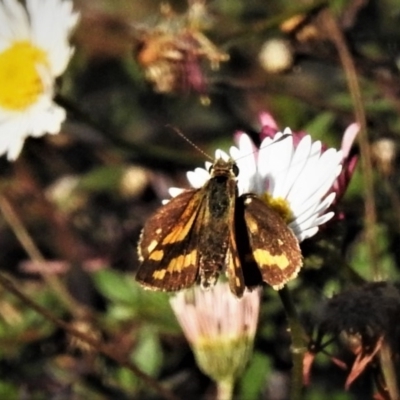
(274, 247)
(167, 247)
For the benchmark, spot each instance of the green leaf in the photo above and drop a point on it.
(130, 300)
(148, 354)
(105, 178)
(255, 377)
(115, 286)
(8, 391)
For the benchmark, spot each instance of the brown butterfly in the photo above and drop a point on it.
(203, 232)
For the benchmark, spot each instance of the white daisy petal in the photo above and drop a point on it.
(298, 161)
(221, 154)
(308, 222)
(318, 192)
(324, 218)
(235, 154)
(198, 177)
(274, 161)
(308, 216)
(34, 45)
(245, 145)
(311, 225)
(174, 191)
(302, 235)
(14, 150)
(305, 180)
(208, 165)
(316, 178)
(245, 159)
(55, 17)
(15, 22)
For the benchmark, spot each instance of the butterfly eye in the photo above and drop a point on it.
(235, 169)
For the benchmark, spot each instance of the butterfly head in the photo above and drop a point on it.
(223, 166)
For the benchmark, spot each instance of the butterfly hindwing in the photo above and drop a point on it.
(234, 269)
(167, 248)
(273, 245)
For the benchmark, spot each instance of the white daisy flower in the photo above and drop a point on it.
(34, 50)
(294, 179)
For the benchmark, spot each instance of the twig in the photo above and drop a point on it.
(338, 40)
(35, 255)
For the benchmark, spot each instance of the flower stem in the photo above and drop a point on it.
(298, 347)
(388, 370)
(225, 389)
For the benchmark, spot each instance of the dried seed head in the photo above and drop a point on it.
(384, 152)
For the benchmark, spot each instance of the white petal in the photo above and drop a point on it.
(316, 179)
(14, 149)
(198, 177)
(349, 136)
(324, 218)
(297, 164)
(52, 22)
(14, 23)
(245, 158)
(273, 162)
(174, 191)
(221, 154)
(302, 235)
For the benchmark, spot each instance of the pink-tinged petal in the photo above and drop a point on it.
(266, 119)
(349, 136)
(237, 135)
(269, 126)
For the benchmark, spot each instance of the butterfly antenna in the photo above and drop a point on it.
(184, 137)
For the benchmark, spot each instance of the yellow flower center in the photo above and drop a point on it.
(280, 205)
(20, 81)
